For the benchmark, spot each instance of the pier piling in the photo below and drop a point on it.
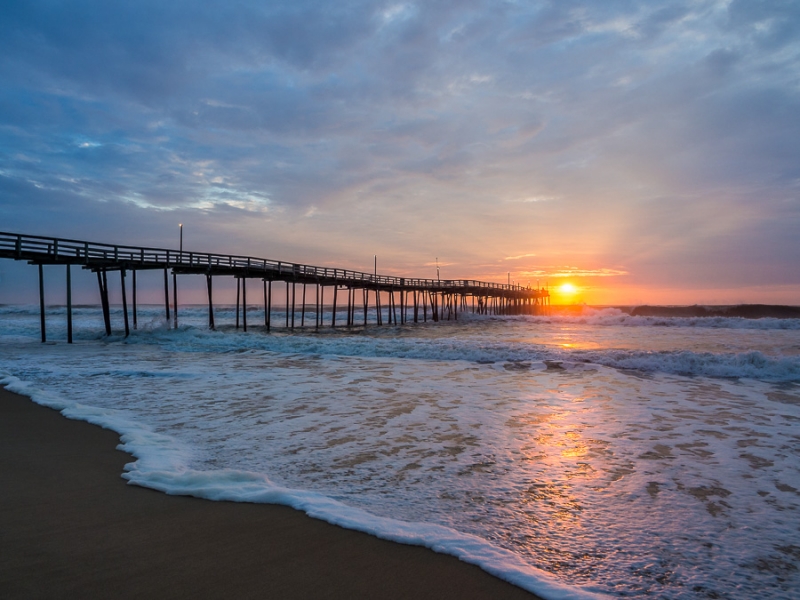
(69, 305)
(41, 304)
(125, 302)
(210, 302)
(166, 294)
(133, 284)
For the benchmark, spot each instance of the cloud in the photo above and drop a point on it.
(518, 256)
(572, 272)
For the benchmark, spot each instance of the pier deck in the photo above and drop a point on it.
(444, 298)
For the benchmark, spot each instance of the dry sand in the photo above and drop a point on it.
(71, 527)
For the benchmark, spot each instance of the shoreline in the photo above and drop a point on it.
(70, 526)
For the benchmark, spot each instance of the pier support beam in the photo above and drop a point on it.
(175, 299)
(321, 306)
(166, 294)
(350, 303)
(294, 295)
(267, 303)
(244, 303)
(238, 293)
(316, 306)
(303, 308)
(124, 302)
(69, 305)
(210, 302)
(41, 304)
(333, 312)
(102, 282)
(135, 318)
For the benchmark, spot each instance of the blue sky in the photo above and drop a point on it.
(646, 151)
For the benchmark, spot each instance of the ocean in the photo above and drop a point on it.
(589, 455)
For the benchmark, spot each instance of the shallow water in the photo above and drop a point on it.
(642, 457)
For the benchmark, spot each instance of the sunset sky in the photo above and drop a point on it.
(645, 152)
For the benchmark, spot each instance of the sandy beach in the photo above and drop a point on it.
(70, 526)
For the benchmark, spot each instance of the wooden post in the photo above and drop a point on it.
(424, 307)
(175, 298)
(41, 304)
(210, 302)
(366, 304)
(268, 314)
(238, 291)
(287, 305)
(100, 287)
(135, 316)
(316, 306)
(333, 314)
(294, 293)
(124, 302)
(166, 292)
(303, 309)
(378, 316)
(244, 304)
(69, 305)
(321, 304)
(106, 307)
(349, 305)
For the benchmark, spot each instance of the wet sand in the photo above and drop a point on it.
(71, 527)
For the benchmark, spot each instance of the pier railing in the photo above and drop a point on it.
(49, 250)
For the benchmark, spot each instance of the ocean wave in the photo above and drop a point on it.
(610, 317)
(745, 365)
(749, 365)
(584, 315)
(454, 343)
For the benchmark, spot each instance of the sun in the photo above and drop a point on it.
(567, 288)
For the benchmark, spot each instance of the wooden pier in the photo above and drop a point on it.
(406, 299)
